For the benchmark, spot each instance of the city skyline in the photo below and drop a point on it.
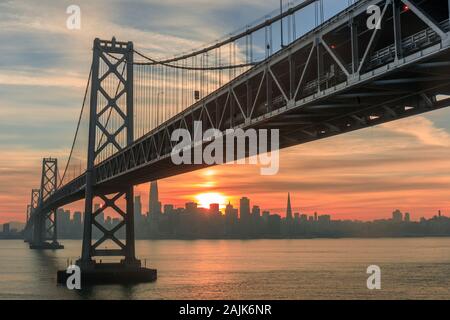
(246, 221)
(206, 198)
(155, 205)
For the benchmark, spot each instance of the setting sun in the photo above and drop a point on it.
(205, 199)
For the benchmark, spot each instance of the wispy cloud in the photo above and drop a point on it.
(42, 78)
(423, 129)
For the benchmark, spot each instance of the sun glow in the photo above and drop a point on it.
(205, 199)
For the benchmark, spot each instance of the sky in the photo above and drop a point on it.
(43, 69)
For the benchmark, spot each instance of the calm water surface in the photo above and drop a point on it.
(417, 268)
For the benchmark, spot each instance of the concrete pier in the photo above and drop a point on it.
(111, 273)
(46, 246)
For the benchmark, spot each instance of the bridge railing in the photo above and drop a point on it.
(416, 42)
(411, 44)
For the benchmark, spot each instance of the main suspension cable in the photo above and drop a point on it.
(248, 31)
(153, 62)
(77, 129)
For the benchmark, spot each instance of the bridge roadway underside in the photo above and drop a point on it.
(328, 117)
(284, 93)
(324, 124)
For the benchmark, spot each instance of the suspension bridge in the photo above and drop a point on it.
(313, 70)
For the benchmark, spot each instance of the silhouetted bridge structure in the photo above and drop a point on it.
(341, 75)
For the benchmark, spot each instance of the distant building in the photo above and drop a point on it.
(274, 225)
(154, 206)
(6, 228)
(265, 215)
(101, 216)
(191, 207)
(324, 218)
(230, 211)
(303, 218)
(397, 216)
(256, 212)
(137, 209)
(64, 224)
(231, 219)
(77, 219)
(244, 208)
(289, 208)
(214, 208)
(168, 209)
(139, 227)
(407, 217)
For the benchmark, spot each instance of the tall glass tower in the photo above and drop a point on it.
(154, 207)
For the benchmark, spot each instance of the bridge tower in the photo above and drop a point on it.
(112, 63)
(28, 213)
(45, 222)
(34, 202)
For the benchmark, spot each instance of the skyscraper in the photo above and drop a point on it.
(63, 222)
(289, 208)
(137, 209)
(214, 208)
(101, 216)
(154, 206)
(231, 219)
(244, 208)
(397, 216)
(407, 217)
(138, 217)
(256, 212)
(77, 224)
(77, 218)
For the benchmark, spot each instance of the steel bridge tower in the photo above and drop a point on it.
(34, 202)
(115, 61)
(45, 226)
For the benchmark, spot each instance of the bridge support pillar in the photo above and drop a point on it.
(112, 60)
(26, 231)
(115, 239)
(45, 229)
(34, 202)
